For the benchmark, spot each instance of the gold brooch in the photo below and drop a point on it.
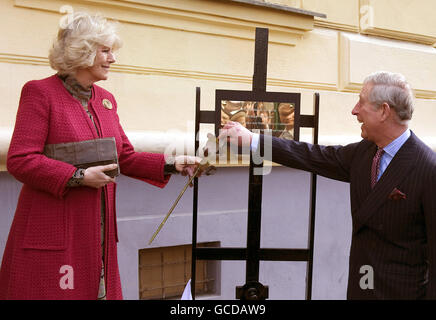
(107, 104)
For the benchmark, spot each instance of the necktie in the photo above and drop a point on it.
(376, 166)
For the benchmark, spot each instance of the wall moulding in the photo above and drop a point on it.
(414, 61)
(23, 59)
(342, 15)
(191, 74)
(335, 25)
(221, 18)
(395, 34)
(403, 20)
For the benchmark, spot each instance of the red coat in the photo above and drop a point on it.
(56, 228)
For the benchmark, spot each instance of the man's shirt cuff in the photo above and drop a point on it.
(255, 142)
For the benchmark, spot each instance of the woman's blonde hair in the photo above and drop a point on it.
(78, 39)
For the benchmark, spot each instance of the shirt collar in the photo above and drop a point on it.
(393, 147)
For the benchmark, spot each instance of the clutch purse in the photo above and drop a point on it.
(85, 154)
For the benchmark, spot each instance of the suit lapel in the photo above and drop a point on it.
(399, 168)
(363, 188)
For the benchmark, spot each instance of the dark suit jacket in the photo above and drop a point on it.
(394, 237)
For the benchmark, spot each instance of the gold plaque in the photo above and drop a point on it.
(107, 104)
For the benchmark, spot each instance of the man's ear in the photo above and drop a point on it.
(385, 111)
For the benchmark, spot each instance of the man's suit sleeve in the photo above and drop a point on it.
(329, 161)
(429, 208)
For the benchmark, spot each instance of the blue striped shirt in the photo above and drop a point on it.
(391, 150)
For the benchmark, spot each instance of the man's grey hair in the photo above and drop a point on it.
(393, 89)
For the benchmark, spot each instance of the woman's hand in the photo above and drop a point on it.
(96, 178)
(187, 165)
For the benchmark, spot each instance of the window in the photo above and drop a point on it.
(164, 272)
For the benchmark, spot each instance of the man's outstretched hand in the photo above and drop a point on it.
(236, 134)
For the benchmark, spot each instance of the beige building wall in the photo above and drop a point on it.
(172, 46)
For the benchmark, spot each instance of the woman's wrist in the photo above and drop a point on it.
(77, 179)
(170, 165)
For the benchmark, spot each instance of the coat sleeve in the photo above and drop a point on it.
(333, 162)
(25, 160)
(144, 166)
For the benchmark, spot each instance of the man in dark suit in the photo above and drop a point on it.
(392, 176)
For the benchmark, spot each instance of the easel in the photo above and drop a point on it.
(253, 254)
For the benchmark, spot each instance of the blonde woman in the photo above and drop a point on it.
(63, 239)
